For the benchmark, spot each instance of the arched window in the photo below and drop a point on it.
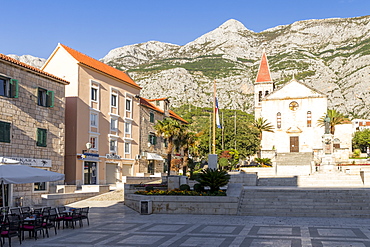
(259, 96)
(278, 120)
(309, 119)
(266, 92)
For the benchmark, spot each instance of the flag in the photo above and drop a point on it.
(217, 116)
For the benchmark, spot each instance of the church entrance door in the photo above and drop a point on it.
(294, 144)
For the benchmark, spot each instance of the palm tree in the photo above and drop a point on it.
(262, 125)
(335, 119)
(169, 129)
(186, 140)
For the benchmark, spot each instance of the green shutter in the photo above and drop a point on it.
(4, 132)
(13, 88)
(41, 137)
(50, 98)
(155, 140)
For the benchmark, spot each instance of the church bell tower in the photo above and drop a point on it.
(263, 85)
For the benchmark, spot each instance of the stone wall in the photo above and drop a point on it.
(216, 205)
(25, 116)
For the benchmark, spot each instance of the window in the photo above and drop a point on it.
(127, 128)
(93, 119)
(127, 147)
(8, 87)
(128, 104)
(114, 100)
(266, 93)
(113, 124)
(259, 96)
(4, 132)
(45, 97)
(309, 119)
(158, 103)
(94, 94)
(113, 146)
(278, 120)
(152, 139)
(94, 142)
(151, 117)
(41, 186)
(41, 137)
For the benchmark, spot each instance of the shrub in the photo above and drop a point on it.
(198, 188)
(184, 187)
(213, 178)
(149, 188)
(356, 153)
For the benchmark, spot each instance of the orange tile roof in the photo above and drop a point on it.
(93, 63)
(264, 71)
(146, 102)
(24, 65)
(150, 100)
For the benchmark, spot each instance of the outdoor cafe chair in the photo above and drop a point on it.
(37, 211)
(26, 212)
(11, 228)
(45, 210)
(57, 219)
(32, 227)
(16, 211)
(71, 218)
(84, 215)
(49, 221)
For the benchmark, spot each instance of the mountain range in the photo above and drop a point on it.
(331, 55)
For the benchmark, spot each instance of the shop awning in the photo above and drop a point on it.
(153, 156)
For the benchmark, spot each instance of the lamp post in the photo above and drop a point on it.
(88, 146)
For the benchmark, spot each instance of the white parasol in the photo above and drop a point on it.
(13, 173)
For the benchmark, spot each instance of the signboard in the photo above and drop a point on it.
(89, 157)
(32, 161)
(113, 156)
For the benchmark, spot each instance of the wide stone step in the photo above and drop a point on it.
(299, 202)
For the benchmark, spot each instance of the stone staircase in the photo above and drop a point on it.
(332, 179)
(293, 159)
(304, 202)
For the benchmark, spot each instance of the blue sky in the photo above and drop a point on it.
(94, 27)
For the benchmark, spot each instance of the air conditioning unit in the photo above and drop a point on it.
(143, 154)
(137, 157)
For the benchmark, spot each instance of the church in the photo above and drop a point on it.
(294, 110)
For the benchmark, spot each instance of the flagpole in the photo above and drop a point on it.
(214, 118)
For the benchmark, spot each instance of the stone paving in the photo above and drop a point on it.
(113, 224)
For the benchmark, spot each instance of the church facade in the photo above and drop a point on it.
(294, 111)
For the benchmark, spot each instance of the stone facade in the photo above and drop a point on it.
(152, 158)
(26, 116)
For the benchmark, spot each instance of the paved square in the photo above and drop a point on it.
(170, 228)
(336, 232)
(201, 241)
(261, 242)
(218, 229)
(116, 225)
(275, 231)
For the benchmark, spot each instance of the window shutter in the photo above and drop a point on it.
(155, 140)
(14, 88)
(38, 141)
(50, 98)
(4, 132)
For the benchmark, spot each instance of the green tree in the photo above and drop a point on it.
(261, 125)
(186, 140)
(336, 118)
(361, 140)
(169, 129)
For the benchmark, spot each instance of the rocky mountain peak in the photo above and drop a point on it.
(232, 25)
